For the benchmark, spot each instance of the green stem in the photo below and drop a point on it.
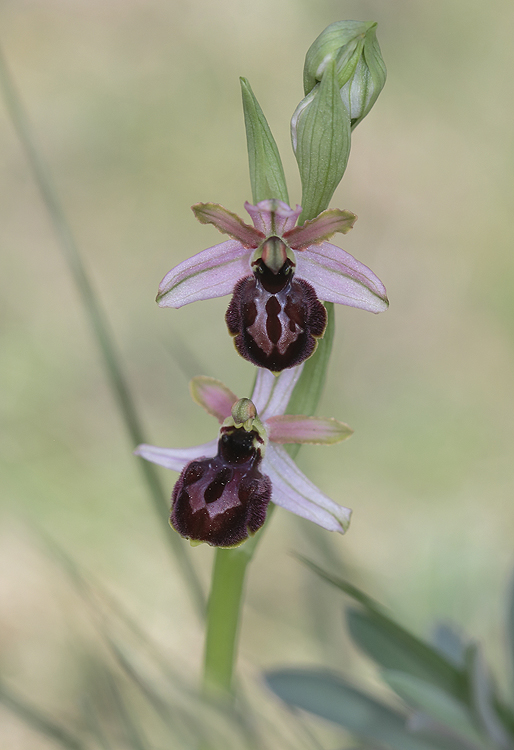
(98, 323)
(229, 570)
(230, 565)
(223, 618)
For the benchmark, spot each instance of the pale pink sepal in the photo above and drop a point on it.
(294, 492)
(273, 217)
(288, 428)
(211, 273)
(176, 458)
(271, 393)
(321, 228)
(213, 395)
(339, 277)
(228, 223)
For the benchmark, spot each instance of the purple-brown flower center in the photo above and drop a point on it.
(221, 500)
(274, 317)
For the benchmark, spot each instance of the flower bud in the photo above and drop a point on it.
(360, 69)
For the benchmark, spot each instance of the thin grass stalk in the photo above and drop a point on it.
(99, 325)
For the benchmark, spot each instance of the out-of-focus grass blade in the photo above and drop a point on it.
(115, 626)
(441, 736)
(179, 716)
(125, 718)
(99, 325)
(510, 630)
(133, 732)
(331, 697)
(393, 647)
(171, 696)
(36, 719)
(345, 586)
(433, 701)
(484, 699)
(93, 724)
(107, 612)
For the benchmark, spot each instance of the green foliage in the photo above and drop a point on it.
(321, 135)
(449, 698)
(332, 697)
(266, 172)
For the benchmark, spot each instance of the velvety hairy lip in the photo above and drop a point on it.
(225, 486)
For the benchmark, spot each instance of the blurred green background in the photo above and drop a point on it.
(136, 107)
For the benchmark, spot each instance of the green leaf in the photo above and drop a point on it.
(484, 699)
(307, 392)
(266, 172)
(450, 643)
(393, 647)
(320, 131)
(433, 701)
(331, 697)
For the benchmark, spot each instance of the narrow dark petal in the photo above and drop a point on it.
(221, 500)
(275, 319)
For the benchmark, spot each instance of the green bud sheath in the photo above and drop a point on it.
(320, 131)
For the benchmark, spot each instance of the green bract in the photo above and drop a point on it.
(266, 171)
(320, 132)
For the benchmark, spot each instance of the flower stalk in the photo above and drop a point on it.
(223, 619)
(225, 603)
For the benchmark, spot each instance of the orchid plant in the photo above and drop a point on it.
(284, 277)
(279, 272)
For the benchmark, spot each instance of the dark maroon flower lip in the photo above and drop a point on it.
(275, 319)
(221, 500)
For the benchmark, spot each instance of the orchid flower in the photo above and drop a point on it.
(225, 485)
(277, 273)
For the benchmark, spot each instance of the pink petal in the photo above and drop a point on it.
(211, 273)
(293, 491)
(228, 223)
(176, 458)
(271, 393)
(339, 277)
(321, 228)
(288, 428)
(273, 217)
(215, 397)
